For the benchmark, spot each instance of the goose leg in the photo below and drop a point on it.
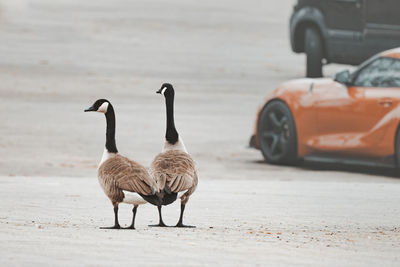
(180, 223)
(116, 223)
(161, 223)
(133, 218)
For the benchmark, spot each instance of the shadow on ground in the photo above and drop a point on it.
(342, 167)
(368, 170)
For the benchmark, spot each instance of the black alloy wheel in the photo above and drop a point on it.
(277, 134)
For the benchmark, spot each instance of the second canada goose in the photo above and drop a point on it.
(173, 169)
(123, 180)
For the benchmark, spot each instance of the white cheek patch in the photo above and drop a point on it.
(103, 107)
(163, 90)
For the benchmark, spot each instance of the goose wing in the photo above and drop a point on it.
(175, 169)
(131, 176)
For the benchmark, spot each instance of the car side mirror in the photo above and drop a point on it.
(343, 77)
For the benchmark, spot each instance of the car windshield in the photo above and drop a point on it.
(381, 72)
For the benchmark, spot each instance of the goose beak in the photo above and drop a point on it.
(159, 91)
(90, 109)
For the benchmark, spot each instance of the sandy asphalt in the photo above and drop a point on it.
(57, 57)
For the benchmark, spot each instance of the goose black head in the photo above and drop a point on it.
(101, 105)
(167, 90)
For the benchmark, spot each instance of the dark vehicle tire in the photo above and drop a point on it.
(397, 149)
(314, 51)
(276, 133)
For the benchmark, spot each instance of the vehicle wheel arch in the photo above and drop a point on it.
(301, 20)
(289, 104)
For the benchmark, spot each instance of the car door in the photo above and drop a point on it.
(349, 117)
(344, 115)
(382, 30)
(381, 78)
(345, 20)
(344, 14)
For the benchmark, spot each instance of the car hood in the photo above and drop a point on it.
(305, 84)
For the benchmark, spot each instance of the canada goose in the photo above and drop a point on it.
(123, 180)
(173, 169)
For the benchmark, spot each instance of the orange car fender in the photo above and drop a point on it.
(300, 103)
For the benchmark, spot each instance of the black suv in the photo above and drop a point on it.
(343, 31)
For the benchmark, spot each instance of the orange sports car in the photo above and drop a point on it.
(353, 118)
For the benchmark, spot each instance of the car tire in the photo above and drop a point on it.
(314, 51)
(276, 132)
(397, 149)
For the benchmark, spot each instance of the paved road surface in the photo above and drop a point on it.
(278, 222)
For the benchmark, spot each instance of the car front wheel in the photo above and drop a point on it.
(277, 134)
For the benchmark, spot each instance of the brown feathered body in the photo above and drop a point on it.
(175, 171)
(118, 174)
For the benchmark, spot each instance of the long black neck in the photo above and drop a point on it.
(171, 134)
(110, 133)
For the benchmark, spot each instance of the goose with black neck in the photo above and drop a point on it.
(122, 180)
(173, 169)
